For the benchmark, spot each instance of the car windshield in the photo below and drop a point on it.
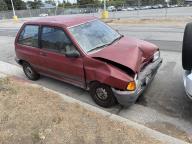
(93, 35)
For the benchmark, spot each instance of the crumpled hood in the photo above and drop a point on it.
(129, 52)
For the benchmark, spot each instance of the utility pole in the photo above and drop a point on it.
(104, 3)
(14, 15)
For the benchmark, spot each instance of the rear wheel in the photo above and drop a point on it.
(187, 48)
(102, 95)
(30, 72)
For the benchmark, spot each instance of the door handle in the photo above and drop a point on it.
(43, 54)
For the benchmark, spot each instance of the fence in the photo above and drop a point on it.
(49, 11)
(121, 11)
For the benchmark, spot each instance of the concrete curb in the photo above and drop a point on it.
(9, 69)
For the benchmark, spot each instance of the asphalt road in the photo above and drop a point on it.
(152, 13)
(167, 45)
(164, 100)
(166, 38)
(178, 12)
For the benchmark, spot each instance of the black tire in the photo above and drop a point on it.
(187, 48)
(30, 72)
(102, 95)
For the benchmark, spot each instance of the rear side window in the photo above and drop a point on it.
(54, 39)
(29, 36)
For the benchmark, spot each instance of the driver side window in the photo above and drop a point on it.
(56, 40)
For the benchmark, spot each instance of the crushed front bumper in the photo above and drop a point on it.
(126, 98)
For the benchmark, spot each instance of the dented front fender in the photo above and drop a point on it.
(96, 70)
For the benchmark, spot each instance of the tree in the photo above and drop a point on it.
(87, 2)
(65, 4)
(116, 2)
(177, 2)
(52, 2)
(3, 5)
(36, 4)
(18, 4)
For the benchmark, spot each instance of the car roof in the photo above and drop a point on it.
(64, 21)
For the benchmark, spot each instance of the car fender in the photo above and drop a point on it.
(96, 70)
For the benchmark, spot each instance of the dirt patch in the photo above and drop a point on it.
(32, 115)
(169, 129)
(180, 22)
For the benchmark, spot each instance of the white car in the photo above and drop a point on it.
(43, 15)
(160, 6)
(124, 9)
(130, 9)
(111, 8)
(187, 60)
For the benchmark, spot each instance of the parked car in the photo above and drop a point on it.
(187, 59)
(173, 6)
(160, 5)
(124, 9)
(111, 8)
(89, 10)
(119, 8)
(148, 7)
(87, 53)
(155, 6)
(143, 8)
(136, 8)
(43, 15)
(130, 9)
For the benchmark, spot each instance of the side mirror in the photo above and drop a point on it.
(72, 54)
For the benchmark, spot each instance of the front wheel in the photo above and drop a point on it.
(30, 72)
(102, 95)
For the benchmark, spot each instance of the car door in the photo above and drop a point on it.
(54, 62)
(27, 45)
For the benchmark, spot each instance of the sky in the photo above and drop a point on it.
(72, 1)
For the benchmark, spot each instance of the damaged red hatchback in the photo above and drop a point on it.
(86, 52)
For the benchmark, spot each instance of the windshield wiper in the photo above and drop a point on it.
(98, 47)
(116, 39)
(107, 43)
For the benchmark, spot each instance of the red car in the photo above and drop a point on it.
(87, 53)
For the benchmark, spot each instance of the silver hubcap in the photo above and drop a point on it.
(101, 93)
(29, 71)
